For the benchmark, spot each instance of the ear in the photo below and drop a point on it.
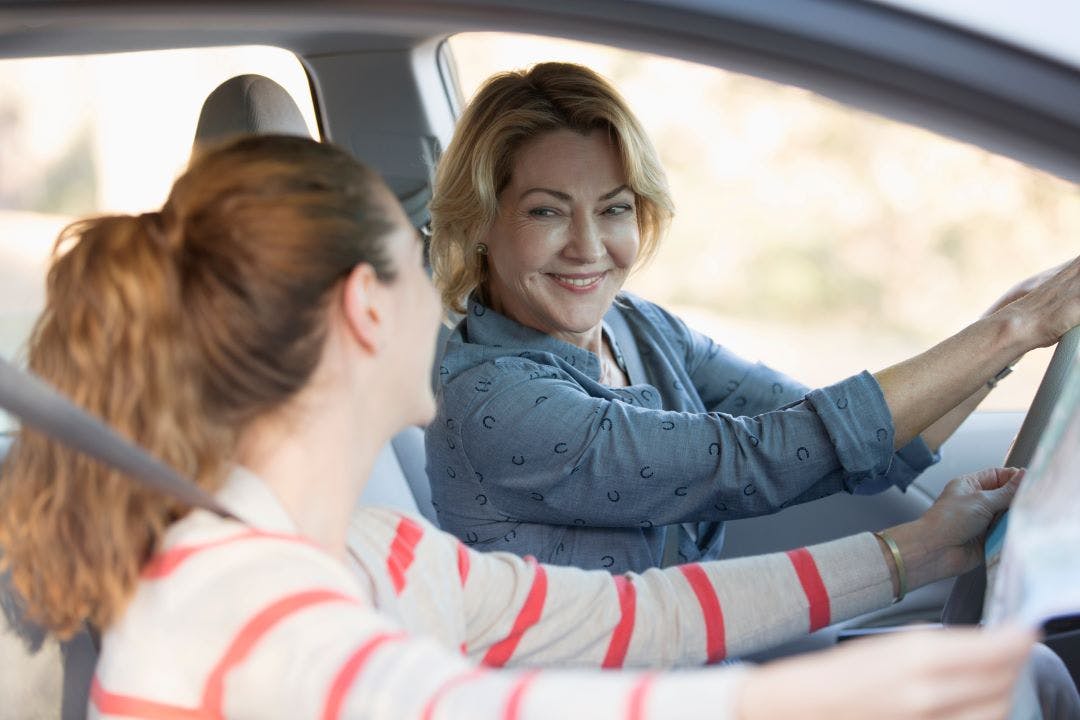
(360, 304)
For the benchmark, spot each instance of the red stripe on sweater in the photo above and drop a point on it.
(638, 695)
(517, 693)
(350, 669)
(109, 703)
(165, 563)
(463, 563)
(401, 554)
(710, 611)
(252, 632)
(813, 586)
(499, 653)
(620, 636)
(429, 709)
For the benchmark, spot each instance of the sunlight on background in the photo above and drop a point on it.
(818, 239)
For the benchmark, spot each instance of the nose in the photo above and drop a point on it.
(586, 242)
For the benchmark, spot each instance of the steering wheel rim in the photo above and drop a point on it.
(1046, 397)
(965, 602)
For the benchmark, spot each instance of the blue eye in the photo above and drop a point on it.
(620, 209)
(542, 212)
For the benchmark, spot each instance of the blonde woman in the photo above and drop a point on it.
(576, 421)
(267, 332)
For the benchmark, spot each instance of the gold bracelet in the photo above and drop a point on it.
(901, 573)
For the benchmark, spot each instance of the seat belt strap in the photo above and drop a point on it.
(39, 406)
(635, 370)
(625, 344)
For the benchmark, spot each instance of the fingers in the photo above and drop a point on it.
(979, 649)
(994, 478)
(1027, 285)
(1053, 307)
(938, 674)
(1001, 497)
(967, 673)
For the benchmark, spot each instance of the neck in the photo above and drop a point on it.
(316, 464)
(591, 340)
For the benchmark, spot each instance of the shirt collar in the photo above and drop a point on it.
(248, 497)
(484, 326)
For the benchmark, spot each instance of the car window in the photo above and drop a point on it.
(817, 238)
(99, 134)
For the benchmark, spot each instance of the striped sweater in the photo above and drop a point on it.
(250, 620)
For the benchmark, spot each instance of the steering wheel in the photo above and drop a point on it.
(965, 603)
(1038, 415)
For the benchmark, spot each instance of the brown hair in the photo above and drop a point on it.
(508, 110)
(178, 328)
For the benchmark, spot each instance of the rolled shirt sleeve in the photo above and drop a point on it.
(730, 384)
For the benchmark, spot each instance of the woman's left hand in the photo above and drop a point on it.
(1048, 306)
(948, 539)
(1023, 287)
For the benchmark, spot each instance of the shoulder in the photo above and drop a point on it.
(213, 583)
(380, 530)
(464, 362)
(202, 549)
(404, 555)
(499, 375)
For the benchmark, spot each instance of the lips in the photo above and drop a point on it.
(578, 282)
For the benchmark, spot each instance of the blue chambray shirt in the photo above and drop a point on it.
(529, 453)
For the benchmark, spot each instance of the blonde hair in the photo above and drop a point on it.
(510, 109)
(178, 328)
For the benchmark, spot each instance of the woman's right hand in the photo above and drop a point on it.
(1046, 305)
(955, 674)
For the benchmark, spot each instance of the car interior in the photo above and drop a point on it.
(383, 83)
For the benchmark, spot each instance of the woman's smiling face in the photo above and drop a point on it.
(565, 238)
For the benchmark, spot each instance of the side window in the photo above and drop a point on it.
(100, 134)
(817, 238)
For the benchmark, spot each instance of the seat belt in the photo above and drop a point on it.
(627, 348)
(39, 406)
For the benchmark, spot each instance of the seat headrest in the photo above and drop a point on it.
(248, 104)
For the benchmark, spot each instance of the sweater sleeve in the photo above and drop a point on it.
(274, 627)
(298, 642)
(266, 626)
(522, 613)
(537, 636)
(351, 663)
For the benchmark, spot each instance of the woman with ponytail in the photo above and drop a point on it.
(266, 333)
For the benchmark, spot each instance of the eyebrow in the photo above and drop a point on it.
(566, 197)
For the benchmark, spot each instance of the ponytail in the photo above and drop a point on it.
(178, 329)
(75, 531)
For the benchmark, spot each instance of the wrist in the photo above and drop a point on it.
(920, 555)
(895, 560)
(1010, 336)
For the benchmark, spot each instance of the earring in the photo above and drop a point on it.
(481, 249)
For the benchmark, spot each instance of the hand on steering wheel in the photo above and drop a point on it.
(1045, 306)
